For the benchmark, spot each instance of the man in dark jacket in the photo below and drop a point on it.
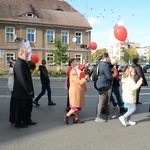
(23, 92)
(138, 74)
(45, 81)
(103, 85)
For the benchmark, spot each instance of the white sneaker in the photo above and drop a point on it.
(99, 120)
(123, 121)
(132, 123)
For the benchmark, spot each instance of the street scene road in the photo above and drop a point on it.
(51, 133)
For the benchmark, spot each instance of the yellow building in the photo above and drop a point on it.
(40, 22)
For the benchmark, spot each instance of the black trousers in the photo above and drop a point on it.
(137, 95)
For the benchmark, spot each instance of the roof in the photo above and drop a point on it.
(48, 12)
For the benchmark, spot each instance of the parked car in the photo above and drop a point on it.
(148, 71)
(121, 68)
(145, 67)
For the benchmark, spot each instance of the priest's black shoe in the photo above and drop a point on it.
(32, 123)
(21, 126)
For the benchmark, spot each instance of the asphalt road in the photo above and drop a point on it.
(51, 133)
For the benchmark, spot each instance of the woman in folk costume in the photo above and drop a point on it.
(81, 67)
(76, 92)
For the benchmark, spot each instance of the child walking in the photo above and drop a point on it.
(129, 87)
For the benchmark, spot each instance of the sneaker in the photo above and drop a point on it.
(99, 120)
(111, 117)
(123, 121)
(51, 103)
(36, 103)
(132, 123)
(115, 106)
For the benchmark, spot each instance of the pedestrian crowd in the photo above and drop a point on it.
(107, 85)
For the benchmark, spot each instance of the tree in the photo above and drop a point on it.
(148, 57)
(95, 55)
(60, 55)
(129, 54)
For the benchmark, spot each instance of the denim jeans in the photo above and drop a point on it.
(44, 88)
(131, 110)
(116, 92)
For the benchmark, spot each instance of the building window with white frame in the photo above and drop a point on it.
(79, 58)
(9, 34)
(78, 37)
(31, 34)
(9, 57)
(50, 59)
(50, 36)
(65, 37)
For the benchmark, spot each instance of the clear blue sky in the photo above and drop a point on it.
(104, 14)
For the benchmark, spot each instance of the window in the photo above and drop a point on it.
(9, 56)
(79, 38)
(29, 15)
(65, 37)
(65, 59)
(50, 36)
(31, 34)
(9, 34)
(79, 57)
(50, 59)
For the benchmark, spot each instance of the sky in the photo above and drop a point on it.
(104, 14)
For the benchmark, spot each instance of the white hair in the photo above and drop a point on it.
(21, 47)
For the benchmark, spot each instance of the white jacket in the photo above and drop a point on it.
(129, 88)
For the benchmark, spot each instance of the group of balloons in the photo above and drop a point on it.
(120, 33)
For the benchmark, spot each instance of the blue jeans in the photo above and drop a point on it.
(44, 88)
(116, 92)
(131, 110)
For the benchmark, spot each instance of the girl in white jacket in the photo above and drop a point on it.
(129, 88)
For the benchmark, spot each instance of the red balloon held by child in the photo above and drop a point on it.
(93, 46)
(120, 33)
(34, 58)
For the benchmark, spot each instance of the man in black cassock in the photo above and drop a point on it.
(23, 91)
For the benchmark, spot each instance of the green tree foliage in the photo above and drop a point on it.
(148, 59)
(95, 55)
(129, 54)
(60, 55)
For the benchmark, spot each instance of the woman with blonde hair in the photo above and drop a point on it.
(76, 92)
(129, 87)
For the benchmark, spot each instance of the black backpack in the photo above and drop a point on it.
(94, 73)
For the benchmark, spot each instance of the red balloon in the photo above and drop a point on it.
(120, 33)
(93, 46)
(34, 58)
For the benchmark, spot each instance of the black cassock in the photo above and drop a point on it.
(21, 102)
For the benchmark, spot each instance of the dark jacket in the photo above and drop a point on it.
(139, 74)
(105, 77)
(44, 75)
(22, 80)
(116, 79)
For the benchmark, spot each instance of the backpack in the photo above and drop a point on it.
(94, 73)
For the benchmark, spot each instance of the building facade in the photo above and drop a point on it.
(41, 22)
